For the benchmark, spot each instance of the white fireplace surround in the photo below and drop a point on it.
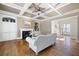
(24, 29)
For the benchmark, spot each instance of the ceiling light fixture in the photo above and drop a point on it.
(37, 8)
(39, 12)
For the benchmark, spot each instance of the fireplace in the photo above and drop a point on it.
(26, 33)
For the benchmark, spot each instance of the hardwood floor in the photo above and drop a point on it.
(20, 47)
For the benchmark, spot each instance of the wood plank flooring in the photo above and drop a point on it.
(20, 47)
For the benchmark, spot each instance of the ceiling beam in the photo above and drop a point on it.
(70, 12)
(42, 14)
(12, 5)
(51, 10)
(51, 18)
(63, 5)
(13, 14)
(15, 7)
(29, 11)
(26, 6)
(54, 9)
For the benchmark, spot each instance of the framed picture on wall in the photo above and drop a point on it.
(36, 26)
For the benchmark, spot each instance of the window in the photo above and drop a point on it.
(7, 19)
(66, 28)
(12, 20)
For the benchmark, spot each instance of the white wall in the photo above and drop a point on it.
(45, 27)
(73, 21)
(55, 28)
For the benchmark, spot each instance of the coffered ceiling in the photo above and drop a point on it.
(30, 10)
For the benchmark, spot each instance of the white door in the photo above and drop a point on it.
(8, 30)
